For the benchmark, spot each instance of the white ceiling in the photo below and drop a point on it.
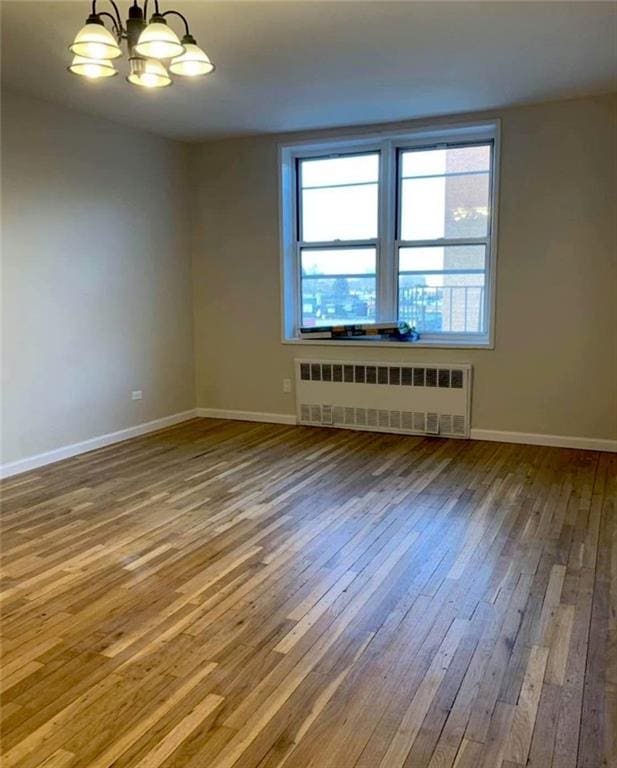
(294, 65)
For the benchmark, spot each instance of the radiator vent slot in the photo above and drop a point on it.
(432, 424)
(445, 424)
(458, 425)
(413, 399)
(394, 376)
(443, 377)
(456, 379)
(338, 414)
(384, 420)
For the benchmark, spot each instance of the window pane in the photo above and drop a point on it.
(338, 261)
(351, 169)
(445, 206)
(442, 290)
(338, 285)
(437, 257)
(437, 162)
(445, 192)
(339, 198)
(339, 213)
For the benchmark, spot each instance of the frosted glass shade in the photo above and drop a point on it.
(148, 73)
(192, 63)
(94, 41)
(94, 69)
(158, 41)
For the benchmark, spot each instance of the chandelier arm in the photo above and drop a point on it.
(113, 21)
(117, 19)
(177, 13)
(146, 11)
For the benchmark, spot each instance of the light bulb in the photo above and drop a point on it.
(94, 69)
(158, 41)
(193, 62)
(94, 41)
(148, 73)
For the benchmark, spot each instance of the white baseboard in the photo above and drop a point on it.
(494, 435)
(268, 418)
(67, 451)
(557, 441)
(49, 457)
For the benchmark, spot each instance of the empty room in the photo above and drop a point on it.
(309, 384)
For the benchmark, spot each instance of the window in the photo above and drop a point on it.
(338, 226)
(398, 227)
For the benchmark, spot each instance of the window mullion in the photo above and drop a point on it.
(332, 245)
(297, 277)
(443, 242)
(386, 271)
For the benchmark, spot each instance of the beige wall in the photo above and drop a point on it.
(96, 293)
(554, 366)
(96, 278)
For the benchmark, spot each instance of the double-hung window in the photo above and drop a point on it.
(394, 227)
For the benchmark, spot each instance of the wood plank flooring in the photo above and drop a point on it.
(234, 595)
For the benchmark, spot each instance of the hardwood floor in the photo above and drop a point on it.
(229, 594)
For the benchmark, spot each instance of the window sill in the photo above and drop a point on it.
(422, 344)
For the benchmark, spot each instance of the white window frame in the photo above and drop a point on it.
(389, 143)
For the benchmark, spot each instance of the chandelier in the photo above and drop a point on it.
(154, 49)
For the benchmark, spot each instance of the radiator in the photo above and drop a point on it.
(419, 399)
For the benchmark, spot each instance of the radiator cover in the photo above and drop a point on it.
(420, 399)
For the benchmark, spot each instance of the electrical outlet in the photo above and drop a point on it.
(136, 394)
(286, 385)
